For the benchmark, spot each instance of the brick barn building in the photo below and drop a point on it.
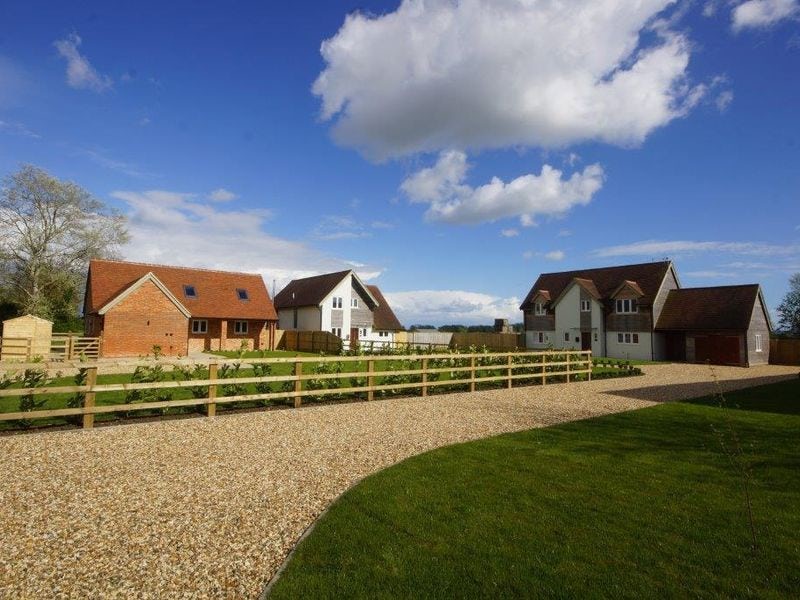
(135, 306)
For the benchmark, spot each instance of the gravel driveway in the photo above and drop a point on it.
(210, 507)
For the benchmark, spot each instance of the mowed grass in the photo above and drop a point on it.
(638, 504)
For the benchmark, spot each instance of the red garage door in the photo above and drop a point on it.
(717, 349)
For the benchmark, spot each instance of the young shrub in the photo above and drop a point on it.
(32, 378)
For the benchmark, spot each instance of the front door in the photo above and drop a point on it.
(354, 338)
(586, 340)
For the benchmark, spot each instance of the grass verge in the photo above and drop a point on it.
(639, 504)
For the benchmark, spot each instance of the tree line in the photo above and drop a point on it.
(49, 231)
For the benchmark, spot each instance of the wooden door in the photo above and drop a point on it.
(586, 340)
(354, 337)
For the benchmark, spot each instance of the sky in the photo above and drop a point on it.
(448, 151)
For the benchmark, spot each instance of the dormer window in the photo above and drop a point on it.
(586, 306)
(189, 291)
(539, 310)
(627, 306)
(242, 295)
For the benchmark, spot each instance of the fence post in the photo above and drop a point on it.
(472, 374)
(370, 379)
(88, 399)
(569, 355)
(211, 407)
(510, 370)
(589, 365)
(544, 369)
(298, 384)
(424, 377)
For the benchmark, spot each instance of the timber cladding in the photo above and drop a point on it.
(784, 351)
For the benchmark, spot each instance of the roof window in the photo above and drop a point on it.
(189, 291)
(242, 294)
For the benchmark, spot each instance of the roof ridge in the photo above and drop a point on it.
(144, 264)
(320, 275)
(626, 266)
(716, 287)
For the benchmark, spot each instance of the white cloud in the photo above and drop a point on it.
(18, 129)
(144, 121)
(658, 249)
(337, 227)
(509, 232)
(564, 233)
(452, 201)
(723, 100)
(555, 255)
(175, 228)
(528, 254)
(222, 195)
(763, 13)
(488, 74)
(381, 225)
(100, 157)
(452, 306)
(80, 73)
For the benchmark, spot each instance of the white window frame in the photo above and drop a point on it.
(628, 338)
(337, 302)
(539, 309)
(199, 326)
(337, 331)
(353, 302)
(627, 306)
(540, 337)
(586, 306)
(240, 327)
(759, 343)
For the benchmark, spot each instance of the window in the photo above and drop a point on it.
(240, 327)
(354, 302)
(628, 338)
(539, 310)
(595, 336)
(619, 338)
(199, 326)
(337, 331)
(189, 291)
(759, 348)
(635, 337)
(566, 336)
(362, 332)
(627, 306)
(242, 294)
(540, 337)
(383, 334)
(337, 302)
(586, 306)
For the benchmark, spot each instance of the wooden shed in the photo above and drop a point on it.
(26, 337)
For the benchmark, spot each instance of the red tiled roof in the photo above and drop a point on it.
(216, 291)
(384, 317)
(727, 307)
(648, 276)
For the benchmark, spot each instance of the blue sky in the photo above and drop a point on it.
(449, 151)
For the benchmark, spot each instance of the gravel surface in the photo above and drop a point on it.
(210, 507)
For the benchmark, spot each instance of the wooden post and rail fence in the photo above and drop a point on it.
(505, 367)
(63, 346)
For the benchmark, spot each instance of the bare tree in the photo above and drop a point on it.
(49, 230)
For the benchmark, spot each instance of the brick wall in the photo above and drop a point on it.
(144, 319)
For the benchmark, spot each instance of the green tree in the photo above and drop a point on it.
(49, 231)
(789, 308)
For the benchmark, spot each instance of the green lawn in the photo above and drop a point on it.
(639, 504)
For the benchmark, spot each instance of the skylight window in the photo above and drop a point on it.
(242, 294)
(189, 291)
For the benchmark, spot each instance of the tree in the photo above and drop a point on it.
(49, 231)
(789, 309)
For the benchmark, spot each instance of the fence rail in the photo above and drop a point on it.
(62, 347)
(538, 366)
